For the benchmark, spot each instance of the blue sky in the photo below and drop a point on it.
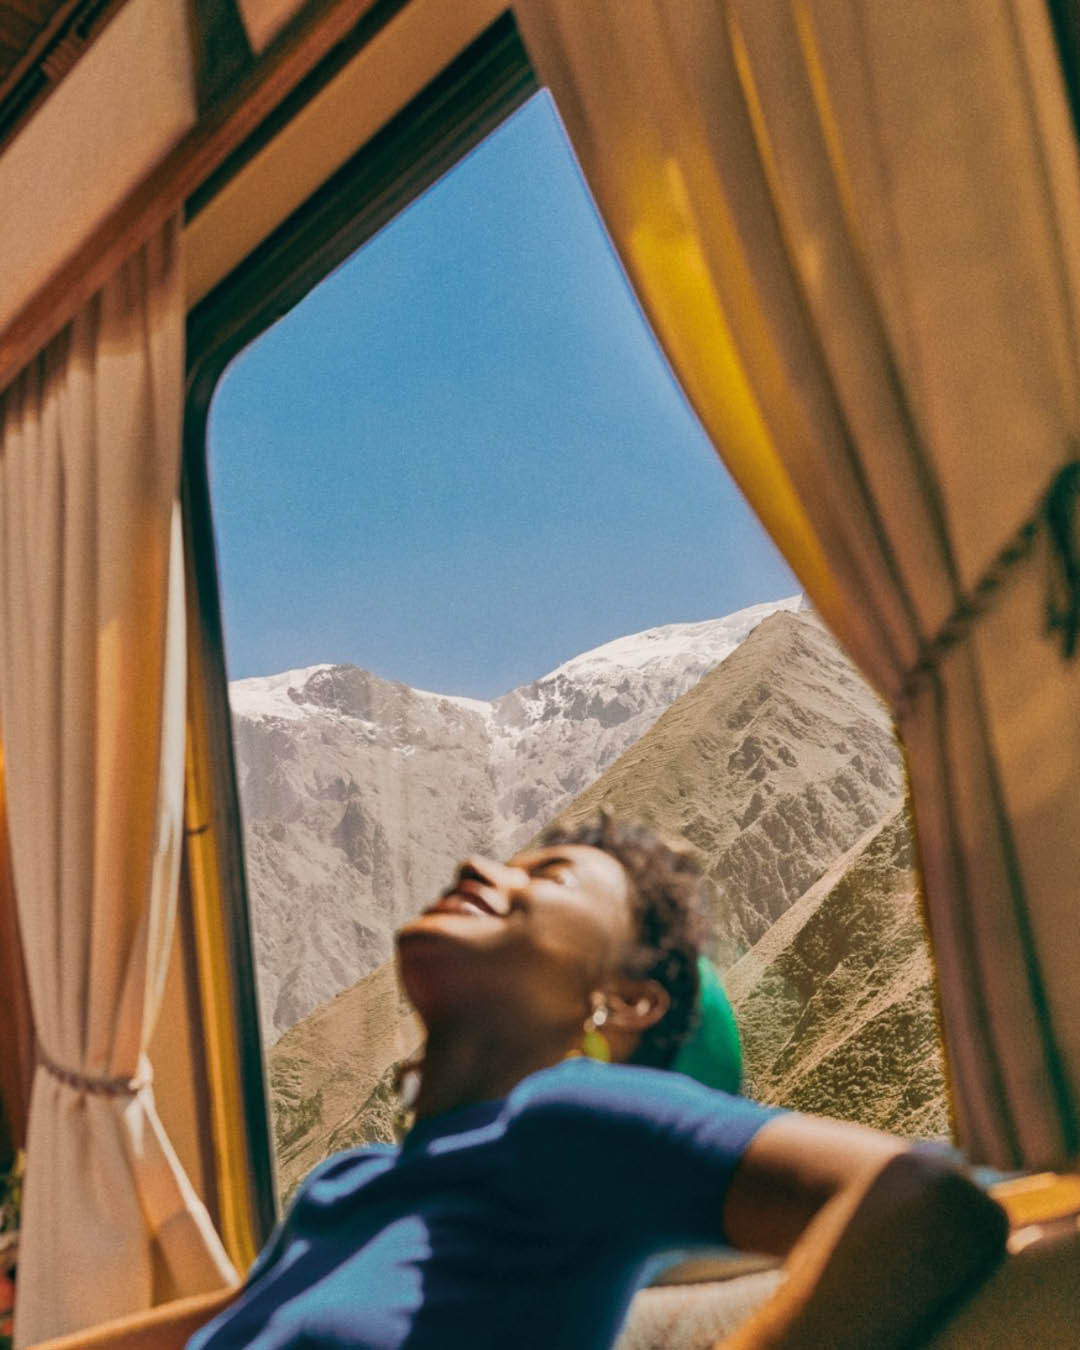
(462, 459)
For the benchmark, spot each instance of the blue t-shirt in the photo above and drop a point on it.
(523, 1222)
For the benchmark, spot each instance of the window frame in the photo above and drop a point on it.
(473, 95)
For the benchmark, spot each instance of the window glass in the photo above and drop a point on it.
(474, 549)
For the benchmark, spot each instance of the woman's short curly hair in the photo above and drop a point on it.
(666, 905)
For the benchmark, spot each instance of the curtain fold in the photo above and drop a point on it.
(853, 228)
(92, 706)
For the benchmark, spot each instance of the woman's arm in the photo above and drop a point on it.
(880, 1241)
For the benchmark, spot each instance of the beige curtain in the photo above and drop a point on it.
(854, 227)
(92, 702)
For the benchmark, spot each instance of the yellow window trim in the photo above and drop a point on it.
(238, 1204)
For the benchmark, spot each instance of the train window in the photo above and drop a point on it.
(480, 570)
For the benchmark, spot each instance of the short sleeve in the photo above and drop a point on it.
(647, 1152)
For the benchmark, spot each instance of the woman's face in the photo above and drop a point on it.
(529, 937)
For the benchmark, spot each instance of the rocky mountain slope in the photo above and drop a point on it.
(836, 1003)
(359, 795)
(771, 766)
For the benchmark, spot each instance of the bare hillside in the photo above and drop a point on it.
(331, 1075)
(836, 1003)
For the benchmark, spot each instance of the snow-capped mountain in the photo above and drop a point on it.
(552, 738)
(360, 794)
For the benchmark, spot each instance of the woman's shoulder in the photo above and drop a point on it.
(624, 1134)
(582, 1085)
(579, 1075)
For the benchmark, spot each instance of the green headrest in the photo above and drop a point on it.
(712, 1054)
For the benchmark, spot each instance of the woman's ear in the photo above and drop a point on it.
(635, 1005)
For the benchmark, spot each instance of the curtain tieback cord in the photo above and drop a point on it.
(101, 1087)
(1056, 513)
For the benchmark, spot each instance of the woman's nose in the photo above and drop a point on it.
(491, 873)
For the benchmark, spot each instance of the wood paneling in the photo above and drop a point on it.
(22, 24)
(16, 33)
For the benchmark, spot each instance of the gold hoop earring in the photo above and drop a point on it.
(594, 1044)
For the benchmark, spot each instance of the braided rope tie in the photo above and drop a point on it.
(101, 1087)
(1056, 515)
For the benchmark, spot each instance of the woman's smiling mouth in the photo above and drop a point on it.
(454, 902)
(468, 895)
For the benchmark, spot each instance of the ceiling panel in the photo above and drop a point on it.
(40, 40)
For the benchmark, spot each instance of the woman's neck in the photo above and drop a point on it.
(462, 1066)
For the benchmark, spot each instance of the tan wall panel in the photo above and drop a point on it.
(124, 106)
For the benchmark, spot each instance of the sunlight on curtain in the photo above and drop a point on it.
(852, 226)
(92, 702)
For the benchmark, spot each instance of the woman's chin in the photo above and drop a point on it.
(434, 950)
(440, 970)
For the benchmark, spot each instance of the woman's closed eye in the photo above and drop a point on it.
(560, 872)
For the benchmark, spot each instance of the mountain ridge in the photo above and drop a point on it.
(772, 765)
(269, 695)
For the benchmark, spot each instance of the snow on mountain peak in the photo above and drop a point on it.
(477, 705)
(692, 647)
(269, 695)
(713, 639)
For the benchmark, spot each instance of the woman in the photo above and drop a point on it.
(539, 1182)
